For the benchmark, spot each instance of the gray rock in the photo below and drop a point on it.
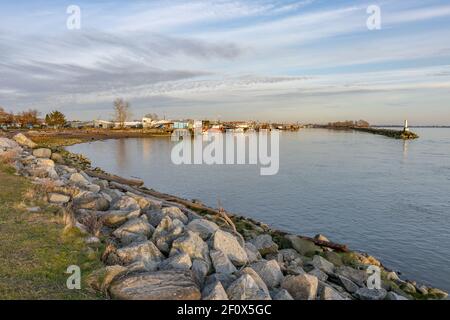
(116, 218)
(102, 278)
(166, 232)
(58, 158)
(229, 245)
(136, 229)
(200, 270)
(21, 139)
(294, 270)
(252, 253)
(93, 188)
(328, 293)
(193, 245)
(357, 276)
(347, 284)
(301, 287)
(265, 244)
(221, 262)
(154, 217)
(125, 203)
(269, 271)
(245, 288)
(145, 252)
(281, 294)
(42, 153)
(370, 294)
(204, 228)
(175, 213)
(181, 261)
(290, 255)
(79, 179)
(160, 285)
(225, 279)
(214, 291)
(323, 264)
(394, 296)
(304, 247)
(252, 273)
(58, 198)
(91, 201)
(322, 276)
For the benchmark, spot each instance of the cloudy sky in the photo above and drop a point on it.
(283, 60)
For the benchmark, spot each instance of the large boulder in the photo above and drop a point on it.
(291, 255)
(221, 262)
(303, 246)
(245, 288)
(115, 218)
(214, 291)
(322, 276)
(329, 293)
(265, 244)
(175, 213)
(78, 179)
(204, 228)
(301, 287)
(125, 203)
(323, 264)
(252, 273)
(160, 285)
(191, 244)
(7, 144)
(252, 252)
(269, 271)
(42, 153)
(166, 232)
(229, 245)
(370, 294)
(91, 201)
(145, 252)
(136, 229)
(200, 269)
(357, 276)
(101, 279)
(21, 139)
(180, 261)
(344, 282)
(155, 216)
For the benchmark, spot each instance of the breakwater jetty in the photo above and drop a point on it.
(158, 246)
(396, 134)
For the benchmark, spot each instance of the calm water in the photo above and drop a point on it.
(387, 197)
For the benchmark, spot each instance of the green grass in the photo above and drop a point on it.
(34, 254)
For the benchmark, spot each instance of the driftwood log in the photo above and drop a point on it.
(189, 206)
(114, 178)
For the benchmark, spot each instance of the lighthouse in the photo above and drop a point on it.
(405, 127)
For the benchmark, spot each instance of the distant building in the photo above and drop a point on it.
(103, 124)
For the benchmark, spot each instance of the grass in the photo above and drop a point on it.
(34, 253)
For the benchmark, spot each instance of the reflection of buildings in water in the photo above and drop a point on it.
(122, 156)
(146, 148)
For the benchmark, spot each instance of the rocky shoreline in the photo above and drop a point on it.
(157, 246)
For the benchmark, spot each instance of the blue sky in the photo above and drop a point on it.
(281, 60)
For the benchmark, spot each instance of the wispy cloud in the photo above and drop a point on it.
(213, 54)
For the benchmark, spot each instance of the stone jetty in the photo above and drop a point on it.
(156, 248)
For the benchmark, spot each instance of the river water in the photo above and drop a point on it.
(387, 197)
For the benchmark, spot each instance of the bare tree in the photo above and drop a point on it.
(121, 111)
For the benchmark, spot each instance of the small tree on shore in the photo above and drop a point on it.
(55, 119)
(121, 111)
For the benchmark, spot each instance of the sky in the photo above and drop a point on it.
(311, 61)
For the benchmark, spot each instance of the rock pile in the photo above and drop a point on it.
(155, 250)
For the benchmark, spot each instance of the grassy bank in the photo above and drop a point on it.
(34, 252)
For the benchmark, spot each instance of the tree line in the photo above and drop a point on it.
(30, 118)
